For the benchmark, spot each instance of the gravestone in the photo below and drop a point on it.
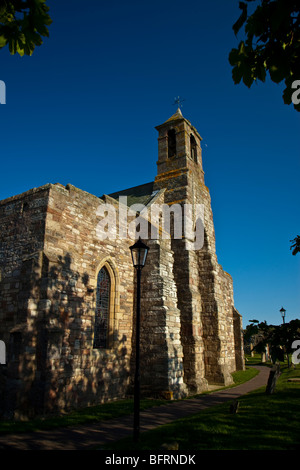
(272, 380)
(233, 409)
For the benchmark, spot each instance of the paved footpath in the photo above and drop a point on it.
(87, 437)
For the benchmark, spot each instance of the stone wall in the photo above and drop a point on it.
(161, 345)
(50, 263)
(84, 375)
(22, 228)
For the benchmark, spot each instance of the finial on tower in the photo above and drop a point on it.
(178, 101)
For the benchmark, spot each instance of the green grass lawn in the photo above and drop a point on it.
(263, 422)
(94, 414)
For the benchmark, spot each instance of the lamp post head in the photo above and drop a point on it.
(139, 253)
(282, 311)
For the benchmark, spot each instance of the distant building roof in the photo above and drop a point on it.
(141, 194)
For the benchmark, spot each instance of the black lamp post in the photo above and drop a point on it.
(282, 311)
(139, 253)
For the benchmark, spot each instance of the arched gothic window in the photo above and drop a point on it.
(193, 145)
(102, 313)
(171, 143)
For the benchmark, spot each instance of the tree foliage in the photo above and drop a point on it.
(279, 337)
(23, 24)
(295, 247)
(271, 45)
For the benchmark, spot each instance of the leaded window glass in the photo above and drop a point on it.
(102, 309)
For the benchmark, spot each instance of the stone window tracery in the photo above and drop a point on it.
(102, 313)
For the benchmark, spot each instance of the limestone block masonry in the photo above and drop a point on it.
(50, 260)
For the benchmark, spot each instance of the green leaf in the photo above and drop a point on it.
(287, 95)
(261, 73)
(23, 24)
(276, 73)
(12, 46)
(248, 77)
(233, 57)
(241, 20)
(3, 41)
(237, 74)
(242, 48)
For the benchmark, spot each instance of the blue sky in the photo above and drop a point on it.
(84, 107)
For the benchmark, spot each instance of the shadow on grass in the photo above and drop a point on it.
(88, 415)
(263, 422)
(98, 413)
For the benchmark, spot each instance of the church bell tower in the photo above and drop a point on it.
(204, 290)
(179, 154)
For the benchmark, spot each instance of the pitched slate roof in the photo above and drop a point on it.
(141, 194)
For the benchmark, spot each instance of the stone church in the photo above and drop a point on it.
(67, 296)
